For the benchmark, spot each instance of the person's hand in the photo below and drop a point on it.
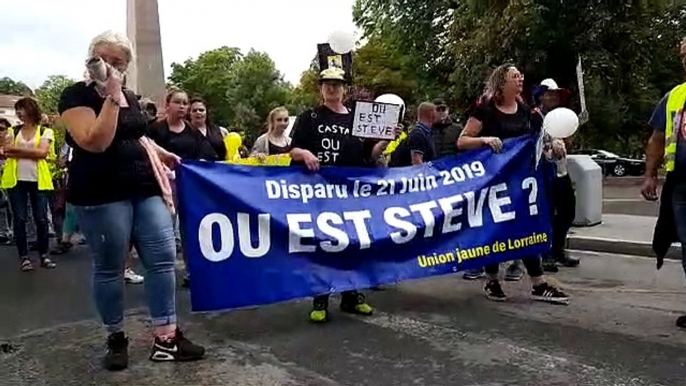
(113, 84)
(649, 188)
(170, 159)
(260, 157)
(398, 130)
(559, 150)
(494, 143)
(311, 162)
(5, 138)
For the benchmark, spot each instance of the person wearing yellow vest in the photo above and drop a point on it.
(27, 178)
(668, 144)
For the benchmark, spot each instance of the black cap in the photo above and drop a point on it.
(439, 102)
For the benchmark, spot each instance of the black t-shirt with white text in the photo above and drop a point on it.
(327, 135)
(495, 123)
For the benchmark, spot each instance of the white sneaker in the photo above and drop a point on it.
(131, 277)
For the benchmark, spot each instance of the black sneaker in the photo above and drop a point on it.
(514, 272)
(549, 294)
(178, 349)
(567, 261)
(117, 357)
(550, 266)
(681, 322)
(494, 291)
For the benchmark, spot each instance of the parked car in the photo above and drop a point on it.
(614, 165)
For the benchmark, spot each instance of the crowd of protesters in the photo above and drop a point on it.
(113, 182)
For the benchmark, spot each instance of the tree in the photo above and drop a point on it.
(628, 49)
(11, 87)
(209, 76)
(380, 68)
(255, 88)
(48, 94)
(239, 89)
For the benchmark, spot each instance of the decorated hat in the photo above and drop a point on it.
(332, 74)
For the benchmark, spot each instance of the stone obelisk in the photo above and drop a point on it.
(146, 74)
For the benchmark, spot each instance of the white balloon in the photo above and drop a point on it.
(561, 123)
(342, 42)
(392, 99)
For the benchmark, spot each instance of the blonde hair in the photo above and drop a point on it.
(112, 38)
(272, 114)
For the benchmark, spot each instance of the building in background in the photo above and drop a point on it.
(7, 107)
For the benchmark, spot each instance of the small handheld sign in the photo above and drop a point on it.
(375, 120)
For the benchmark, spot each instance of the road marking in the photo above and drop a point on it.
(629, 200)
(487, 350)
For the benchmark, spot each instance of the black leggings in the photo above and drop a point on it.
(564, 206)
(532, 264)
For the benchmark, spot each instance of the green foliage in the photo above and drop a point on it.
(11, 87)
(629, 52)
(240, 89)
(48, 94)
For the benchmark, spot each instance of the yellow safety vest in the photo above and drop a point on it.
(9, 174)
(675, 108)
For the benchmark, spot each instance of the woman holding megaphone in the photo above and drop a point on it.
(503, 115)
(121, 195)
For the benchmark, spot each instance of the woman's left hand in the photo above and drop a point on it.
(170, 159)
(559, 150)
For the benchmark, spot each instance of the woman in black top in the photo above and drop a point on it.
(503, 115)
(322, 136)
(118, 199)
(212, 147)
(174, 133)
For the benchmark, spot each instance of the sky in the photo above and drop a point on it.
(50, 37)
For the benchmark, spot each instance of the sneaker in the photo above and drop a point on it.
(567, 261)
(131, 277)
(514, 272)
(117, 357)
(178, 349)
(549, 294)
(474, 274)
(550, 266)
(26, 265)
(681, 322)
(320, 310)
(62, 248)
(494, 291)
(356, 303)
(46, 263)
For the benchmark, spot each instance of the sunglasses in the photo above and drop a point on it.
(282, 119)
(441, 109)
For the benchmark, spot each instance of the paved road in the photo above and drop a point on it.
(622, 196)
(618, 331)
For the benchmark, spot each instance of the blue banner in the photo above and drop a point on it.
(259, 235)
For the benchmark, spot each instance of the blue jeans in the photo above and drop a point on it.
(20, 195)
(109, 230)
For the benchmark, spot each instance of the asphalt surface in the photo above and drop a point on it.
(623, 196)
(618, 330)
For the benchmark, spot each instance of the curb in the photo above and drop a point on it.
(620, 247)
